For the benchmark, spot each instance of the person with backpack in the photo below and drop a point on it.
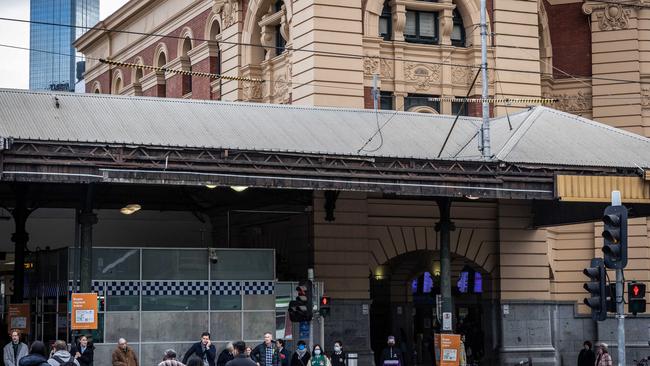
(37, 356)
(61, 356)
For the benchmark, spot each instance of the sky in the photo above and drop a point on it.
(14, 64)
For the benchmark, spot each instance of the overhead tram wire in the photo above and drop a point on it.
(325, 53)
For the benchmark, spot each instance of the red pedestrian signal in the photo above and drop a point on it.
(636, 297)
(324, 306)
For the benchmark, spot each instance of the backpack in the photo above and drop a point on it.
(70, 361)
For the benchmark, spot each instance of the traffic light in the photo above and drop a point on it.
(325, 306)
(615, 235)
(636, 297)
(301, 309)
(597, 288)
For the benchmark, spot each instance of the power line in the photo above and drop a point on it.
(325, 53)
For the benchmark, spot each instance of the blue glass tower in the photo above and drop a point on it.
(58, 68)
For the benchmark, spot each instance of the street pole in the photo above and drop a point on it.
(620, 306)
(445, 227)
(484, 139)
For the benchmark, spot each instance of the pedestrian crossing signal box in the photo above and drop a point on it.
(636, 297)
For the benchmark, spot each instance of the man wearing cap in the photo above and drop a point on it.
(169, 359)
(392, 355)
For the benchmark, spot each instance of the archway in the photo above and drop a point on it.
(405, 303)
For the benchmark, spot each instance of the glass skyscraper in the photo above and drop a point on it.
(58, 68)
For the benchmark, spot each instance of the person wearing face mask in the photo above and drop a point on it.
(338, 357)
(392, 355)
(301, 356)
(587, 357)
(318, 358)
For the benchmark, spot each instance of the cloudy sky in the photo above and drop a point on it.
(14, 64)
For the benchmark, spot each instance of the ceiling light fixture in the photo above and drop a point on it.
(130, 209)
(211, 186)
(238, 188)
(470, 197)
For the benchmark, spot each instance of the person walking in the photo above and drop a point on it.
(124, 355)
(392, 355)
(37, 356)
(83, 351)
(338, 357)
(282, 356)
(263, 353)
(226, 355)
(61, 356)
(318, 357)
(240, 358)
(603, 358)
(587, 357)
(169, 359)
(204, 349)
(301, 356)
(14, 350)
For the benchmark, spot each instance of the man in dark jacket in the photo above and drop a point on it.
(226, 355)
(281, 357)
(240, 356)
(587, 357)
(392, 355)
(263, 354)
(204, 349)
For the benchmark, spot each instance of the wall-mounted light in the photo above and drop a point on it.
(130, 209)
(239, 188)
(211, 186)
(470, 197)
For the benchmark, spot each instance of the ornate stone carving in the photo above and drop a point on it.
(610, 16)
(386, 69)
(228, 10)
(645, 97)
(424, 76)
(252, 90)
(572, 103)
(281, 90)
(461, 75)
(370, 65)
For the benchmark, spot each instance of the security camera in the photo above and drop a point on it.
(212, 254)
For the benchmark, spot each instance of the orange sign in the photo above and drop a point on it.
(84, 311)
(19, 317)
(447, 347)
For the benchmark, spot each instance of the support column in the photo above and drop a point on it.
(86, 219)
(20, 239)
(445, 227)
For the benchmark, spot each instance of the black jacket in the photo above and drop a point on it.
(296, 360)
(86, 358)
(281, 358)
(338, 359)
(33, 360)
(241, 360)
(259, 354)
(197, 349)
(586, 357)
(392, 353)
(224, 357)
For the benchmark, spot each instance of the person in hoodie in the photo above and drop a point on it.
(392, 355)
(61, 355)
(37, 356)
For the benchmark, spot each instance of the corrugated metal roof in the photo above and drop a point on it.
(539, 135)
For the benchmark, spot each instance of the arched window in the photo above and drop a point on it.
(117, 83)
(386, 22)
(97, 88)
(162, 59)
(458, 30)
(280, 42)
(187, 79)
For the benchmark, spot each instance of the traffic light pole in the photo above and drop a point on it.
(620, 305)
(620, 316)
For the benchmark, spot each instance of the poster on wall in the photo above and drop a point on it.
(84, 311)
(18, 315)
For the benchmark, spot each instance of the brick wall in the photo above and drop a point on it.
(368, 102)
(570, 38)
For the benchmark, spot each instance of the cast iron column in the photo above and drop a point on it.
(445, 227)
(86, 219)
(20, 239)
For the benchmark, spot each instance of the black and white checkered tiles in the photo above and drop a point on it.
(181, 288)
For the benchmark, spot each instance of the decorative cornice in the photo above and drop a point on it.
(203, 51)
(611, 16)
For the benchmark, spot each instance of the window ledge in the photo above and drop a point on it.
(425, 5)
